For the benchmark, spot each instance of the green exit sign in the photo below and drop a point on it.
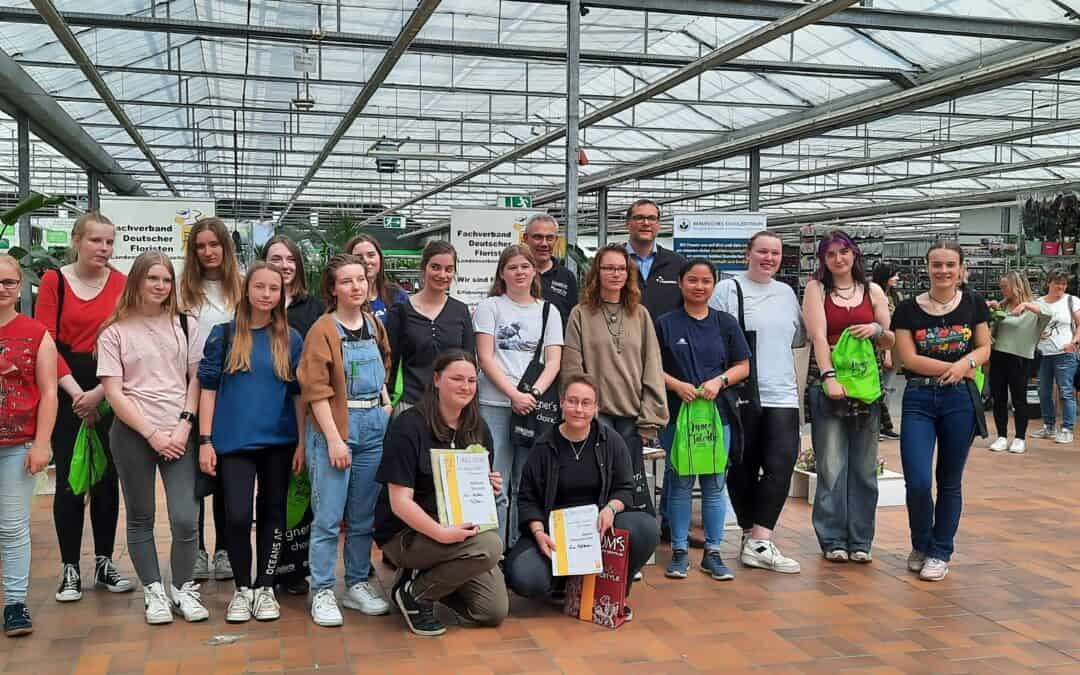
(515, 202)
(393, 222)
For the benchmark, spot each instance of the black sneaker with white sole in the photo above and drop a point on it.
(106, 576)
(419, 614)
(70, 588)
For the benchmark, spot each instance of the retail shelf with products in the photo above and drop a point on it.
(870, 240)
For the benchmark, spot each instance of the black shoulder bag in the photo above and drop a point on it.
(526, 429)
(747, 390)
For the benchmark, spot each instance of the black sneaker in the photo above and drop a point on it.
(419, 614)
(70, 588)
(105, 575)
(17, 620)
(888, 435)
(295, 586)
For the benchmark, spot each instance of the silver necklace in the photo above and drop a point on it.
(940, 304)
(614, 324)
(86, 283)
(578, 451)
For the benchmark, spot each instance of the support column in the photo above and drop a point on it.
(573, 120)
(26, 298)
(93, 191)
(755, 179)
(601, 216)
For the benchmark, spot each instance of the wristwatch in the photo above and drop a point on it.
(205, 439)
(188, 415)
(724, 380)
(972, 363)
(536, 392)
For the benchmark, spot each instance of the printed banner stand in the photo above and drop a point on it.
(152, 224)
(719, 237)
(479, 236)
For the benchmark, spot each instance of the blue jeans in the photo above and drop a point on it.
(348, 494)
(713, 504)
(945, 416)
(1059, 369)
(509, 460)
(845, 451)
(16, 490)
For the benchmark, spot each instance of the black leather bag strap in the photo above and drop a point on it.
(742, 315)
(539, 351)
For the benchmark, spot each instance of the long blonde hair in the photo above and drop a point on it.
(239, 357)
(1020, 287)
(78, 230)
(128, 304)
(192, 291)
(498, 285)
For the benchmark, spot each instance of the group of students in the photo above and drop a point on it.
(275, 380)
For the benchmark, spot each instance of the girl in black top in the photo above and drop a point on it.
(579, 462)
(456, 565)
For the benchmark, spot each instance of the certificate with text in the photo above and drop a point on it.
(577, 541)
(463, 489)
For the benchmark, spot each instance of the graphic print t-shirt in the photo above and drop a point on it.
(19, 396)
(516, 329)
(1059, 331)
(945, 338)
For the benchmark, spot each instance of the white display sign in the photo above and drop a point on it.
(160, 224)
(719, 237)
(479, 236)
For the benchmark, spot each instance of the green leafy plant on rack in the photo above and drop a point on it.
(34, 260)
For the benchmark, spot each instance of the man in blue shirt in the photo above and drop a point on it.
(658, 268)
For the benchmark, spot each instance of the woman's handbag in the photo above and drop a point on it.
(748, 388)
(526, 429)
(698, 446)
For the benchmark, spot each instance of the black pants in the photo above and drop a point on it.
(69, 509)
(1009, 376)
(758, 485)
(219, 522)
(238, 472)
(528, 571)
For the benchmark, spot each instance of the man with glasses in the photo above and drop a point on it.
(658, 267)
(558, 283)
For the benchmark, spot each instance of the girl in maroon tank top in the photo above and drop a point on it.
(844, 431)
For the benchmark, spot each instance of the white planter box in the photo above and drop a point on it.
(800, 484)
(890, 488)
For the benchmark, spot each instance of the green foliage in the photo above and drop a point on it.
(317, 245)
(35, 261)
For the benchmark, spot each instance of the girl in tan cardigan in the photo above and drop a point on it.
(343, 377)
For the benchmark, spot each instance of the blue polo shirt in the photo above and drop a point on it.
(644, 264)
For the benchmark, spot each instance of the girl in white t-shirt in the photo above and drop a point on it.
(508, 332)
(1058, 362)
(148, 358)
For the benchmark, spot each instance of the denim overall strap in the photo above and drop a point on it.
(364, 370)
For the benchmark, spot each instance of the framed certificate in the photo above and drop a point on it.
(577, 542)
(463, 492)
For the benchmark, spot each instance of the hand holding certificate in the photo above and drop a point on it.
(463, 490)
(577, 541)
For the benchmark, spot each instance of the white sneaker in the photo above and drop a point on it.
(222, 567)
(1000, 444)
(367, 597)
(934, 569)
(916, 560)
(1043, 432)
(836, 555)
(157, 605)
(186, 602)
(324, 609)
(1017, 446)
(265, 607)
(1064, 436)
(763, 553)
(239, 609)
(202, 567)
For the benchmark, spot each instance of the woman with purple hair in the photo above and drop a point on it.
(844, 430)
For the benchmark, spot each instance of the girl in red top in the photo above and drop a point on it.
(73, 302)
(844, 431)
(27, 413)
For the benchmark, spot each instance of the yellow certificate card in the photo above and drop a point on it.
(463, 489)
(577, 541)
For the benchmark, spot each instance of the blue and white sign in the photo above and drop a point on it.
(719, 237)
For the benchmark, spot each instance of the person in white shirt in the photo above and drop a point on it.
(1058, 363)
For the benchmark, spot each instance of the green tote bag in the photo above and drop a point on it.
(855, 364)
(698, 447)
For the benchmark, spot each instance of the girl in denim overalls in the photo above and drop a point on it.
(343, 376)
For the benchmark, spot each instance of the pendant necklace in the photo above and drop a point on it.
(579, 450)
(614, 324)
(940, 304)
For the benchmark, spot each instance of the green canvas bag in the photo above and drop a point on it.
(698, 447)
(297, 498)
(855, 364)
(88, 460)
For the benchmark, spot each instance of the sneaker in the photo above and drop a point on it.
(934, 569)
(158, 610)
(627, 614)
(713, 565)
(239, 609)
(1000, 444)
(915, 560)
(17, 620)
(764, 554)
(639, 576)
(837, 555)
(222, 567)
(186, 602)
(324, 609)
(295, 586)
(679, 565)
(1064, 436)
(265, 606)
(367, 597)
(105, 574)
(419, 614)
(70, 588)
(202, 567)
(888, 435)
(1043, 432)
(1017, 447)
(863, 557)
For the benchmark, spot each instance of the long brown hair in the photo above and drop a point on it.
(329, 279)
(384, 288)
(498, 286)
(298, 288)
(128, 304)
(239, 357)
(192, 292)
(78, 229)
(470, 428)
(630, 296)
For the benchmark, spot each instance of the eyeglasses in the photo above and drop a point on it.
(641, 218)
(9, 284)
(613, 269)
(584, 404)
(544, 237)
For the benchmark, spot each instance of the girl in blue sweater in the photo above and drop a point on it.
(247, 432)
